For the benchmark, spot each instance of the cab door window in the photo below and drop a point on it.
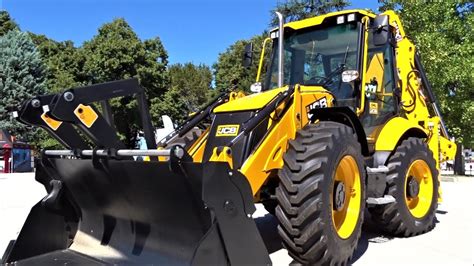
(380, 103)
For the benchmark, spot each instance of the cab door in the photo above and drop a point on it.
(380, 82)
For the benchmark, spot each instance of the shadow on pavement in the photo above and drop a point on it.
(370, 234)
(267, 225)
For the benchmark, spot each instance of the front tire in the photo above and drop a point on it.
(413, 181)
(321, 194)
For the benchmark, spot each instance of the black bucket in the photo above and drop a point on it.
(111, 211)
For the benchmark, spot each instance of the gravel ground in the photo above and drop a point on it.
(450, 243)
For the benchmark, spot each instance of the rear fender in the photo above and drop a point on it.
(345, 116)
(395, 131)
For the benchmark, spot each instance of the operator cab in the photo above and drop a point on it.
(330, 55)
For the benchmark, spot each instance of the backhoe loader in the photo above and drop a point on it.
(344, 119)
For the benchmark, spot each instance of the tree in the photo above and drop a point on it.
(190, 88)
(22, 75)
(442, 33)
(65, 63)
(117, 53)
(300, 9)
(6, 23)
(229, 71)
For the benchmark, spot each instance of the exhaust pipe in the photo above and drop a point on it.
(280, 49)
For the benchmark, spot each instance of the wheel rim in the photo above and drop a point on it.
(346, 214)
(419, 203)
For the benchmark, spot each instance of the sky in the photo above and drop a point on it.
(191, 31)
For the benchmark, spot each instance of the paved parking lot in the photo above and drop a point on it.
(450, 243)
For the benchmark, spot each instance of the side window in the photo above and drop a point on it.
(286, 69)
(380, 81)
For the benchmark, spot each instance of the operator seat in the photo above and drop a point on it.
(344, 92)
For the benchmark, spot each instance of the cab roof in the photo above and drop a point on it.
(300, 24)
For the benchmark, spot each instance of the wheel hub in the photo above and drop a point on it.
(413, 187)
(339, 196)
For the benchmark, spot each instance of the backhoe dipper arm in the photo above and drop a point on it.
(431, 96)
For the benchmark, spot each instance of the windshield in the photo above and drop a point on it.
(316, 57)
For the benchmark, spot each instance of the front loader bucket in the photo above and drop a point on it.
(109, 211)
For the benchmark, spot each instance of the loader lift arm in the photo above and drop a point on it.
(196, 118)
(31, 113)
(74, 106)
(59, 114)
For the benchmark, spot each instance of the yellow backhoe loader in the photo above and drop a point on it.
(344, 120)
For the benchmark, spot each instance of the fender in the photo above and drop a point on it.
(396, 130)
(345, 116)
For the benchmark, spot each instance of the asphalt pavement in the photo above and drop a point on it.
(450, 243)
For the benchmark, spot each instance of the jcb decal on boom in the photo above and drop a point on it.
(227, 130)
(320, 103)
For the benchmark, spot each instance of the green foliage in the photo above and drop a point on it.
(190, 88)
(22, 75)
(65, 63)
(117, 53)
(443, 34)
(300, 9)
(229, 72)
(6, 23)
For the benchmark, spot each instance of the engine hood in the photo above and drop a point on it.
(251, 102)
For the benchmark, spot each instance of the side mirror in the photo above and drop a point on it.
(256, 87)
(350, 75)
(248, 55)
(380, 30)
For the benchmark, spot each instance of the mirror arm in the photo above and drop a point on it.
(262, 56)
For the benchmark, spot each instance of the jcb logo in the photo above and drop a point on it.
(227, 130)
(320, 103)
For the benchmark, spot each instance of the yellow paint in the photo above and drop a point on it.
(197, 149)
(224, 156)
(262, 57)
(251, 102)
(375, 70)
(360, 109)
(392, 132)
(267, 158)
(419, 205)
(319, 19)
(447, 149)
(52, 123)
(86, 115)
(345, 220)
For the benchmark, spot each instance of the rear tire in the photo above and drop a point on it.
(409, 216)
(322, 156)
